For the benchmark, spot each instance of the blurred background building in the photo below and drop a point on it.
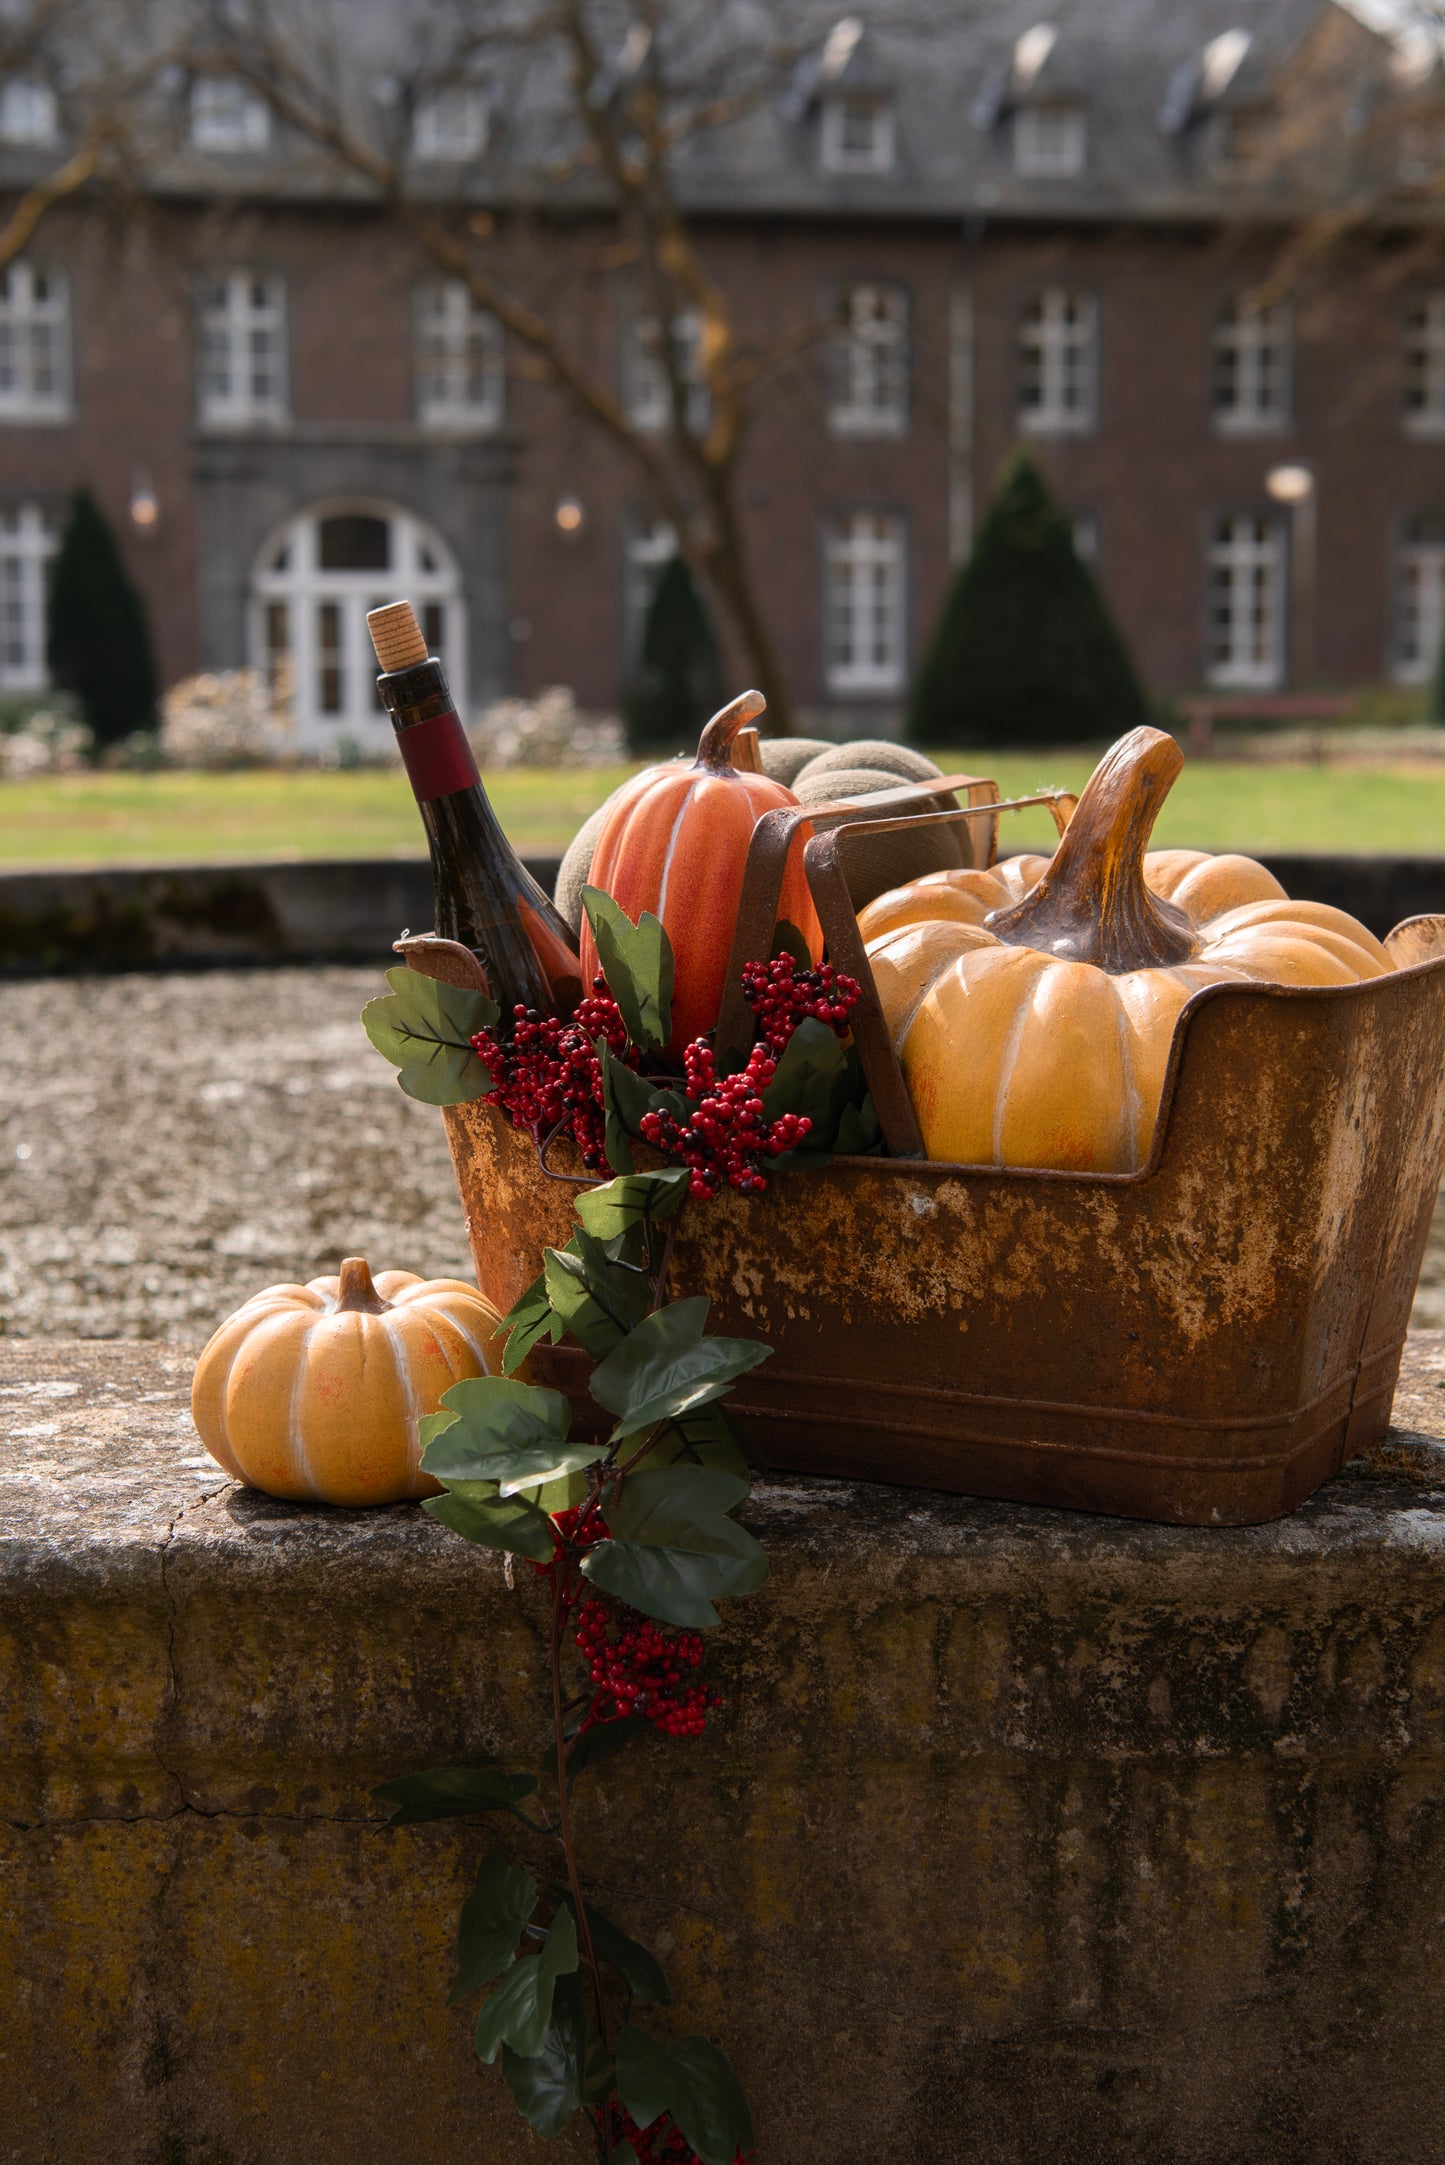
(1185, 250)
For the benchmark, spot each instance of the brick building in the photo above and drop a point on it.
(1133, 239)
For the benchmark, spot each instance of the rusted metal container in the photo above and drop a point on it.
(1203, 1341)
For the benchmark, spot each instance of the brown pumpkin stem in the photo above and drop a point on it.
(715, 745)
(1092, 905)
(356, 1294)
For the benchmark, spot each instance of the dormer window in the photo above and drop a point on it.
(28, 112)
(451, 124)
(1050, 141)
(857, 133)
(226, 115)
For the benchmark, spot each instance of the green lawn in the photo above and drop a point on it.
(186, 818)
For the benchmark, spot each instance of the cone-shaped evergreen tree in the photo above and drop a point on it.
(1026, 651)
(678, 682)
(98, 644)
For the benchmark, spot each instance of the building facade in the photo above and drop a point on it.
(290, 417)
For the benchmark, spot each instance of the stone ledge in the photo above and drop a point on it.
(1031, 1835)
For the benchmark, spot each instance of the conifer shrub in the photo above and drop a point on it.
(677, 684)
(1025, 651)
(98, 644)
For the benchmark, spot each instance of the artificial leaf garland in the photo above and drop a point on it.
(645, 1520)
(636, 1535)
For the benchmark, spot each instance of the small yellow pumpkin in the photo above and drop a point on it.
(313, 1392)
(1033, 1005)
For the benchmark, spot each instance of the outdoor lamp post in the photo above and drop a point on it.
(1294, 487)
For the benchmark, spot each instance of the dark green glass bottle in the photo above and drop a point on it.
(485, 896)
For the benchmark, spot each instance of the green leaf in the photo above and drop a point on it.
(637, 1198)
(454, 1793)
(570, 2071)
(590, 1745)
(788, 940)
(709, 1436)
(858, 1133)
(666, 1367)
(813, 1065)
(691, 2080)
(508, 1433)
(573, 1302)
(619, 1288)
(474, 1510)
(519, 2012)
(638, 1968)
(526, 1322)
(637, 962)
(624, 2154)
(425, 1029)
(674, 1550)
(626, 1097)
(492, 1918)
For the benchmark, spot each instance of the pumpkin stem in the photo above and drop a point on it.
(715, 745)
(1092, 905)
(356, 1293)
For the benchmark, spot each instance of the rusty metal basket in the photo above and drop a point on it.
(1203, 1341)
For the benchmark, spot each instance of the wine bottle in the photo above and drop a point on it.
(485, 896)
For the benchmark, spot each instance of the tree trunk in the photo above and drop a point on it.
(729, 573)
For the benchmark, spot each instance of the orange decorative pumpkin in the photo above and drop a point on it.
(313, 1392)
(676, 843)
(1033, 1005)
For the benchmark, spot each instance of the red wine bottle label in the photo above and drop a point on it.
(437, 757)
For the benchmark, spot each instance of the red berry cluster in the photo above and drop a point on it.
(781, 995)
(725, 1138)
(637, 1667)
(548, 1075)
(661, 2143)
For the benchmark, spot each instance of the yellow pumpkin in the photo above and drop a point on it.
(1033, 1005)
(313, 1392)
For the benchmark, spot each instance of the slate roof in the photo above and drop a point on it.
(950, 68)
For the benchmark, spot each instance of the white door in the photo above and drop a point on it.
(313, 586)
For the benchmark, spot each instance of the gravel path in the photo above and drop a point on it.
(168, 1145)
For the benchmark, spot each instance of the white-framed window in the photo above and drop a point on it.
(1245, 643)
(650, 547)
(649, 393)
(856, 133)
(1252, 368)
(1051, 142)
(1058, 363)
(34, 343)
(241, 365)
(29, 112)
(1424, 358)
(460, 359)
(869, 357)
(451, 124)
(227, 115)
(312, 587)
(29, 538)
(1085, 526)
(1420, 148)
(1419, 598)
(865, 603)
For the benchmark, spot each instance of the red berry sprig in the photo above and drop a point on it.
(661, 2143)
(725, 1137)
(781, 996)
(547, 1073)
(638, 1667)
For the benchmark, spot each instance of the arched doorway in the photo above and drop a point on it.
(313, 584)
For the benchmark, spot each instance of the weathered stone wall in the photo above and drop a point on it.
(1023, 1836)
